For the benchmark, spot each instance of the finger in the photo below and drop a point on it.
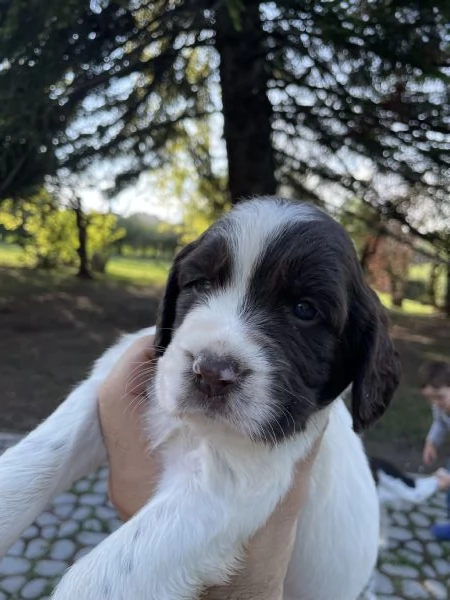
(122, 400)
(131, 372)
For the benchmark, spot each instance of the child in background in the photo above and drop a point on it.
(435, 386)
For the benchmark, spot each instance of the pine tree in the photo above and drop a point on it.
(317, 99)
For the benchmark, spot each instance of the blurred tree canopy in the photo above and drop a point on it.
(317, 99)
(305, 88)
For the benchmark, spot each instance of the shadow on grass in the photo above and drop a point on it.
(23, 281)
(52, 327)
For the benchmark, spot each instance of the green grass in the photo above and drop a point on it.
(12, 256)
(138, 271)
(18, 277)
(418, 338)
(409, 307)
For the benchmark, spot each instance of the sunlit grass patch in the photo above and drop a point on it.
(411, 307)
(12, 256)
(138, 271)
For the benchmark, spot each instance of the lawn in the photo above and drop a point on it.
(410, 307)
(138, 271)
(53, 325)
(403, 428)
(16, 273)
(11, 256)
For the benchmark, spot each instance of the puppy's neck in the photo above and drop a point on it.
(218, 442)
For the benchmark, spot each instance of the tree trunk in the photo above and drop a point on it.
(83, 269)
(397, 298)
(397, 289)
(98, 263)
(369, 250)
(447, 293)
(432, 281)
(247, 111)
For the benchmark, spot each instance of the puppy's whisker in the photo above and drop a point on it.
(139, 373)
(143, 369)
(137, 400)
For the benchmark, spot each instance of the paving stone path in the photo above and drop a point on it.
(413, 566)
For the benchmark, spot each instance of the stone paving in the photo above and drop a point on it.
(412, 566)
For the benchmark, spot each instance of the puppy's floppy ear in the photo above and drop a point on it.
(168, 306)
(377, 368)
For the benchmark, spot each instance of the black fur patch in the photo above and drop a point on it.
(311, 261)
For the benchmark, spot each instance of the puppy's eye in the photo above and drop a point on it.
(305, 311)
(199, 285)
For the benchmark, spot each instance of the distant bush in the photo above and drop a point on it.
(147, 236)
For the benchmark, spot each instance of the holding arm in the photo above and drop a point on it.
(189, 536)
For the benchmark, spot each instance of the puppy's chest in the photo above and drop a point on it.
(184, 455)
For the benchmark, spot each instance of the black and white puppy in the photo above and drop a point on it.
(396, 488)
(266, 319)
(398, 491)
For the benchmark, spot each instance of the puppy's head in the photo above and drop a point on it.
(266, 319)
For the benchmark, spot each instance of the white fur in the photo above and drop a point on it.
(216, 326)
(253, 227)
(214, 495)
(338, 529)
(218, 487)
(394, 494)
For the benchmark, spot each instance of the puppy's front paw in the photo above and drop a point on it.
(88, 580)
(111, 571)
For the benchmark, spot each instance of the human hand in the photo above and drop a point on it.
(430, 454)
(443, 478)
(134, 474)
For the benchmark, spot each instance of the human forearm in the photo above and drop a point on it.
(438, 432)
(242, 592)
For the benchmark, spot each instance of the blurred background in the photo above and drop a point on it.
(127, 127)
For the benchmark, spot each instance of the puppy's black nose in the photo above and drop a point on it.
(214, 375)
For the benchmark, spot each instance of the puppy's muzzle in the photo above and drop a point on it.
(215, 376)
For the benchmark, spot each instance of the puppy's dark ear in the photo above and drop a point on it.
(377, 365)
(168, 306)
